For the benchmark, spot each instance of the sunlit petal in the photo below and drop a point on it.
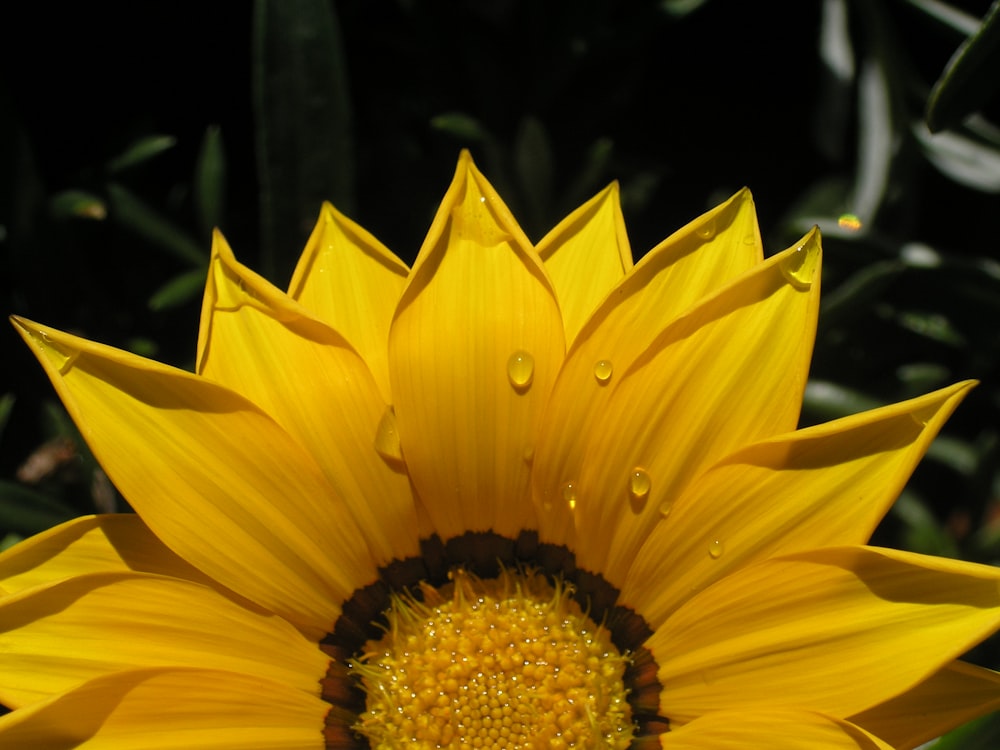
(118, 542)
(219, 515)
(958, 693)
(822, 486)
(797, 631)
(775, 730)
(55, 637)
(352, 282)
(171, 709)
(586, 255)
(260, 343)
(473, 351)
(669, 413)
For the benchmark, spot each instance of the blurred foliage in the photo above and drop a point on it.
(875, 119)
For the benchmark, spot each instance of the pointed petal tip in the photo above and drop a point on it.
(18, 322)
(801, 263)
(220, 247)
(56, 350)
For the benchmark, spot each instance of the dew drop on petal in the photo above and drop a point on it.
(923, 416)
(55, 354)
(639, 483)
(569, 495)
(798, 269)
(387, 437)
(715, 549)
(850, 222)
(602, 371)
(520, 370)
(529, 454)
(664, 509)
(67, 365)
(707, 230)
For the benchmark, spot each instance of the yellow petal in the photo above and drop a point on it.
(958, 693)
(171, 709)
(730, 371)
(474, 347)
(586, 255)
(260, 343)
(692, 263)
(823, 486)
(834, 630)
(56, 637)
(118, 542)
(214, 478)
(771, 729)
(352, 282)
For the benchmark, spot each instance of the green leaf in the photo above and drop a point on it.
(140, 151)
(303, 115)
(827, 400)
(533, 162)
(26, 511)
(923, 377)
(143, 346)
(210, 181)
(958, 455)
(588, 180)
(6, 407)
(77, 204)
(853, 297)
(950, 16)
(461, 126)
(875, 141)
(963, 156)
(178, 290)
(680, 8)
(931, 325)
(923, 532)
(130, 211)
(981, 734)
(969, 78)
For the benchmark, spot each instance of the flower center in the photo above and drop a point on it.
(510, 662)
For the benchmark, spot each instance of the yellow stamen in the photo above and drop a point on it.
(510, 662)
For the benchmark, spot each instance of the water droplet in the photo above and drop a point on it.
(749, 240)
(569, 495)
(707, 230)
(387, 437)
(715, 549)
(520, 370)
(602, 371)
(639, 483)
(62, 360)
(850, 222)
(664, 509)
(67, 365)
(529, 454)
(923, 416)
(799, 268)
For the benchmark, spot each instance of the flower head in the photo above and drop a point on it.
(515, 496)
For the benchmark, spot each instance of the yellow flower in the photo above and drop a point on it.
(515, 496)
